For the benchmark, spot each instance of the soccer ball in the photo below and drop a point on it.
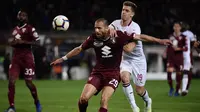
(60, 23)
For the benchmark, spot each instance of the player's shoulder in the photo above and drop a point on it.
(92, 36)
(171, 36)
(117, 21)
(135, 24)
(30, 27)
(135, 27)
(188, 33)
(115, 24)
(182, 35)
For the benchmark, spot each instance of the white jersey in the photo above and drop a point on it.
(190, 37)
(137, 54)
(135, 61)
(186, 54)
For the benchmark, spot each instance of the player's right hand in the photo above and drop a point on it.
(60, 60)
(165, 42)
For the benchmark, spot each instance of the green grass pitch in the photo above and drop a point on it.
(62, 96)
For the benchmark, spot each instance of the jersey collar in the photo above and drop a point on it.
(21, 26)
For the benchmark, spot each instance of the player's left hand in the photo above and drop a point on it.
(165, 42)
(113, 32)
(60, 60)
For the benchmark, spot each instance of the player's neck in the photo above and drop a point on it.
(21, 24)
(126, 22)
(177, 33)
(106, 37)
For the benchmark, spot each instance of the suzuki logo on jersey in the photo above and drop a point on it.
(106, 52)
(23, 30)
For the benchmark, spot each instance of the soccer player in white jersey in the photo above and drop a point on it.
(187, 58)
(134, 63)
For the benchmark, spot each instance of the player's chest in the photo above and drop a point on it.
(177, 41)
(126, 29)
(20, 33)
(106, 47)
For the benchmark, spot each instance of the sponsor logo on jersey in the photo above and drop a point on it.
(98, 43)
(106, 51)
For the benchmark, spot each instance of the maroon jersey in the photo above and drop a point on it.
(23, 61)
(27, 33)
(176, 57)
(108, 52)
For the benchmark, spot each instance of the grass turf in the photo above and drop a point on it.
(62, 96)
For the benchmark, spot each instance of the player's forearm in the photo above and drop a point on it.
(12, 43)
(148, 38)
(180, 49)
(36, 43)
(73, 52)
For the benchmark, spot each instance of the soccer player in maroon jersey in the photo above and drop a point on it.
(105, 76)
(175, 57)
(24, 36)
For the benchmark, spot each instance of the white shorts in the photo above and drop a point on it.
(138, 71)
(187, 63)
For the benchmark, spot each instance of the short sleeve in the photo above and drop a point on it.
(113, 25)
(88, 43)
(34, 34)
(137, 29)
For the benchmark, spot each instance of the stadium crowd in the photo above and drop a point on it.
(155, 17)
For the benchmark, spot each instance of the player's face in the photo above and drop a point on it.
(100, 29)
(177, 27)
(126, 13)
(22, 17)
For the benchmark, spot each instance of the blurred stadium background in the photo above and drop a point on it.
(155, 18)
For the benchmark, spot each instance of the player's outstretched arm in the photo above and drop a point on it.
(72, 53)
(148, 38)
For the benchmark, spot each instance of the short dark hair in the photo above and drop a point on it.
(130, 4)
(103, 20)
(179, 22)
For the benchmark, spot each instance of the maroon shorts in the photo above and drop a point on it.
(102, 79)
(178, 64)
(25, 66)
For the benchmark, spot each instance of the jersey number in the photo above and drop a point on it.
(29, 71)
(139, 77)
(114, 82)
